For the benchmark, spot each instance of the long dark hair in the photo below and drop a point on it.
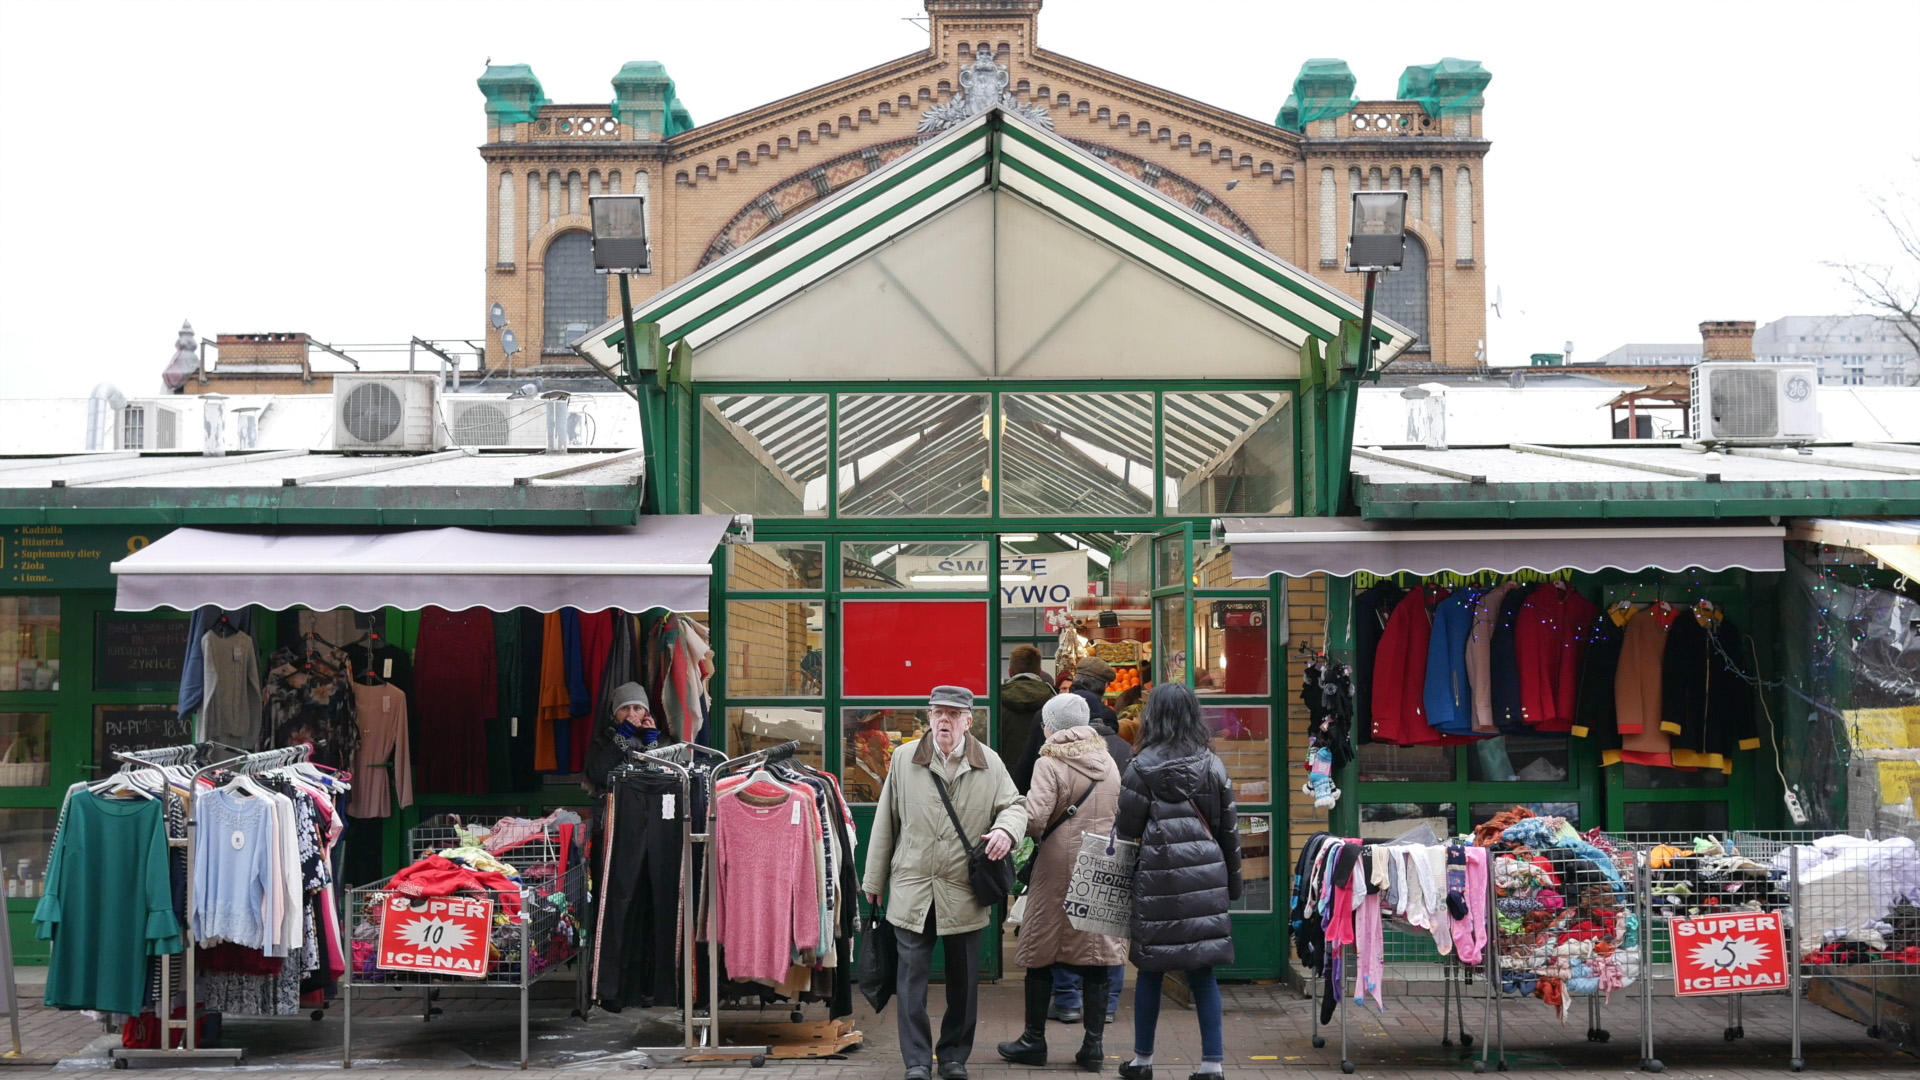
(1173, 722)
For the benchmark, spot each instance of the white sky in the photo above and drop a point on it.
(294, 165)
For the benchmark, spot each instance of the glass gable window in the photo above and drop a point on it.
(1229, 453)
(1076, 454)
(764, 454)
(913, 455)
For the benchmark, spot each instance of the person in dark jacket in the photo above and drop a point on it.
(630, 730)
(1090, 682)
(1177, 803)
(1021, 698)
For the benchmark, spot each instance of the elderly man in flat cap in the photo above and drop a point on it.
(919, 864)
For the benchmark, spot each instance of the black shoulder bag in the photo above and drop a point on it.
(991, 879)
(1025, 874)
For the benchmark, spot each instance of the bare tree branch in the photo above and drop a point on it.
(1891, 293)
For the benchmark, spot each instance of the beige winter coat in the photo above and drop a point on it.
(1069, 762)
(913, 855)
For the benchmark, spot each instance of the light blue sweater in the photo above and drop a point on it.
(233, 868)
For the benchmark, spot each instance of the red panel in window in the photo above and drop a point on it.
(905, 648)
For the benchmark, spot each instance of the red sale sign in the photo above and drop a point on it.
(439, 935)
(1742, 953)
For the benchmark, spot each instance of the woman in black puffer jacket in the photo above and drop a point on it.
(1177, 801)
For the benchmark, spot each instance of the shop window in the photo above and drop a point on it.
(1228, 453)
(576, 296)
(1080, 455)
(1534, 759)
(141, 652)
(905, 648)
(870, 737)
(774, 648)
(1480, 812)
(119, 728)
(26, 749)
(1381, 822)
(1231, 646)
(1647, 778)
(1256, 864)
(775, 567)
(913, 455)
(1170, 648)
(764, 454)
(1410, 764)
(29, 643)
(1403, 295)
(761, 727)
(1243, 737)
(26, 836)
(1692, 818)
(955, 566)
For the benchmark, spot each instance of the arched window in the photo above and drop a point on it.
(576, 296)
(1403, 293)
(1329, 220)
(505, 212)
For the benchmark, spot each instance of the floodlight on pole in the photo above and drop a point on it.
(620, 234)
(1376, 242)
(1378, 237)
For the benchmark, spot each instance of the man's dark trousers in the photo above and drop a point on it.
(963, 998)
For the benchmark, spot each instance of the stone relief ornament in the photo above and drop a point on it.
(982, 87)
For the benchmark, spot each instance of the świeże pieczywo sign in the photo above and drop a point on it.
(438, 935)
(1744, 953)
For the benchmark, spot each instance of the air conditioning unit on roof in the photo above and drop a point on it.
(391, 413)
(495, 420)
(1755, 402)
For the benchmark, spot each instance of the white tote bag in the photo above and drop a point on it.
(1100, 893)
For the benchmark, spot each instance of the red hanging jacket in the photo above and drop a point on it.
(1549, 641)
(1400, 673)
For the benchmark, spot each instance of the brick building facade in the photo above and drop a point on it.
(714, 187)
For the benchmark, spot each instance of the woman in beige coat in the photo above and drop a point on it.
(1074, 762)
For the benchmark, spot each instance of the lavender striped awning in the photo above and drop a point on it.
(1297, 547)
(663, 562)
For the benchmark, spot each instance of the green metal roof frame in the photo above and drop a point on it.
(1000, 152)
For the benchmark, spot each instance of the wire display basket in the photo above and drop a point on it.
(442, 831)
(534, 932)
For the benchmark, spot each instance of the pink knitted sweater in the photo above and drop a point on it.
(766, 900)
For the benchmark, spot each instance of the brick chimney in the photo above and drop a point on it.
(282, 352)
(1726, 340)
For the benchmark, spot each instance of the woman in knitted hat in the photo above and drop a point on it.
(1076, 789)
(631, 729)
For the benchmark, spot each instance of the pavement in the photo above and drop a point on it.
(1269, 1036)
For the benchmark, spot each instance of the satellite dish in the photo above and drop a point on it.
(497, 315)
(510, 342)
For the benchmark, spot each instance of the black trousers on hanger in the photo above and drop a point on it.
(640, 921)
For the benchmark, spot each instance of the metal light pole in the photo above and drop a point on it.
(620, 247)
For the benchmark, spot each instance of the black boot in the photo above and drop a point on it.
(1031, 1047)
(1093, 997)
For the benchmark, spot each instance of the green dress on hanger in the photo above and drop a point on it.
(108, 904)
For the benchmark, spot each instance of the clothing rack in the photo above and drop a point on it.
(676, 758)
(730, 767)
(189, 1052)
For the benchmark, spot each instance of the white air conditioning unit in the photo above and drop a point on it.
(1755, 402)
(385, 412)
(495, 420)
(152, 425)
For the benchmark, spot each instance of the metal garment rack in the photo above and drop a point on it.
(1451, 992)
(189, 1052)
(678, 758)
(729, 767)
